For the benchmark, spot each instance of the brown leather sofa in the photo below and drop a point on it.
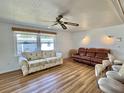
(91, 56)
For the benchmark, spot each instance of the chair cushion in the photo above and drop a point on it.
(36, 63)
(121, 71)
(115, 75)
(116, 67)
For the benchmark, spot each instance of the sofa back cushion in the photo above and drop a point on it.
(32, 55)
(91, 54)
(38, 55)
(82, 51)
(83, 54)
(47, 54)
(103, 50)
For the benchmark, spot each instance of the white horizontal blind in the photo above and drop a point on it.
(47, 42)
(30, 42)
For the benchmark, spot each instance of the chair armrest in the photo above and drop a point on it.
(99, 68)
(106, 63)
(118, 62)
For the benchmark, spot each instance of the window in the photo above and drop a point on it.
(33, 42)
(47, 42)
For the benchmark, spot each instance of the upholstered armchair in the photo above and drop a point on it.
(114, 61)
(108, 85)
(113, 82)
(117, 75)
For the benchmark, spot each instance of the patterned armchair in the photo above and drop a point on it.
(35, 61)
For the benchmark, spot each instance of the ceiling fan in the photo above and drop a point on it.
(62, 23)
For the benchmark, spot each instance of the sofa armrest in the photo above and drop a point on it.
(24, 65)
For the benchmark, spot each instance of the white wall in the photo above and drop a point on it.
(64, 42)
(96, 36)
(8, 59)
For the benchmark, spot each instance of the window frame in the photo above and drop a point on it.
(38, 35)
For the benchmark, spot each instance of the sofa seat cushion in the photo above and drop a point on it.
(101, 55)
(83, 54)
(96, 60)
(76, 56)
(53, 59)
(36, 63)
(81, 57)
(85, 58)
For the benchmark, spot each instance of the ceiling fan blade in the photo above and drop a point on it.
(72, 24)
(63, 26)
(54, 24)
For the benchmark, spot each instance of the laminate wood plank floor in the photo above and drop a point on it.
(70, 77)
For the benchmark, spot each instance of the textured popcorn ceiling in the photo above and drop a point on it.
(89, 14)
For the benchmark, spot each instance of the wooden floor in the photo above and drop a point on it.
(71, 77)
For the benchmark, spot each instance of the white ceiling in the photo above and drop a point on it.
(89, 14)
